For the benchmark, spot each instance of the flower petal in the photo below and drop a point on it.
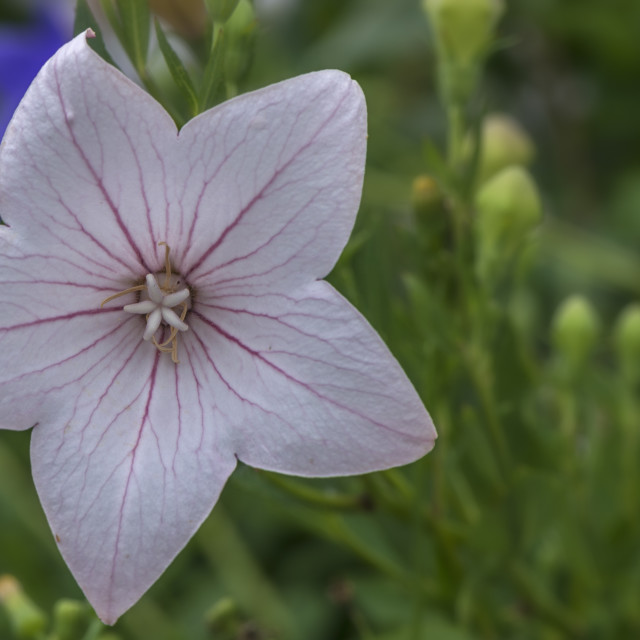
(52, 332)
(82, 168)
(128, 472)
(274, 178)
(306, 385)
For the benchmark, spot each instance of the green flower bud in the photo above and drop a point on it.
(626, 338)
(223, 616)
(221, 10)
(508, 207)
(575, 329)
(26, 619)
(464, 28)
(504, 142)
(426, 195)
(70, 619)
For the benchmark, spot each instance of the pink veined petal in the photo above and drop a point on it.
(128, 471)
(275, 179)
(306, 385)
(83, 170)
(52, 333)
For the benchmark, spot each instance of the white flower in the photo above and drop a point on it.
(231, 223)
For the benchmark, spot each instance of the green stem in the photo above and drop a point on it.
(313, 496)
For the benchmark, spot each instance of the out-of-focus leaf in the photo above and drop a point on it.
(177, 69)
(86, 20)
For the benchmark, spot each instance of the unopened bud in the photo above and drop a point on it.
(508, 207)
(626, 336)
(575, 329)
(26, 619)
(463, 28)
(223, 616)
(70, 619)
(426, 195)
(504, 142)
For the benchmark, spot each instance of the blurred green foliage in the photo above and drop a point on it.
(524, 521)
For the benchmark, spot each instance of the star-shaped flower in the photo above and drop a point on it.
(216, 237)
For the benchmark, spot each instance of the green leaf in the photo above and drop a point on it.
(212, 90)
(112, 15)
(131, 21)
(178, 72)
(86, 20)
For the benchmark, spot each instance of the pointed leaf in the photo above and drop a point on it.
(178, 72)
(86, 20)
(212, 89)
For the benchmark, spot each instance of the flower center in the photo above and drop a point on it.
(157, 302)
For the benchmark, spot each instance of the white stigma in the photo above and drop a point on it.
(159, 307)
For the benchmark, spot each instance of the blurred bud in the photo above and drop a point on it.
(223, 616)
(187, 17)
(504, 142)
(464, 28)
(575, 328)
(508, 207)
(70, 619)
(26, 619)
(426, 195)
(221, 10)
(626, 337)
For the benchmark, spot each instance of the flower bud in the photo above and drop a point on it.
(70, 619)
(426, 195)
(575, 328)
(26, 619)
(626, 338)
(463, 28)
(504, 142)
(508, 207)
(223, 616)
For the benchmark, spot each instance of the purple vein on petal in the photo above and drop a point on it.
(114, 210)
(307, 387)
(232, 225)
(145, 417)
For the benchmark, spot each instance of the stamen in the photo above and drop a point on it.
(140, 287)
(158, 308)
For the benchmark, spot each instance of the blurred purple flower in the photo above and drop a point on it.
(24, 48)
